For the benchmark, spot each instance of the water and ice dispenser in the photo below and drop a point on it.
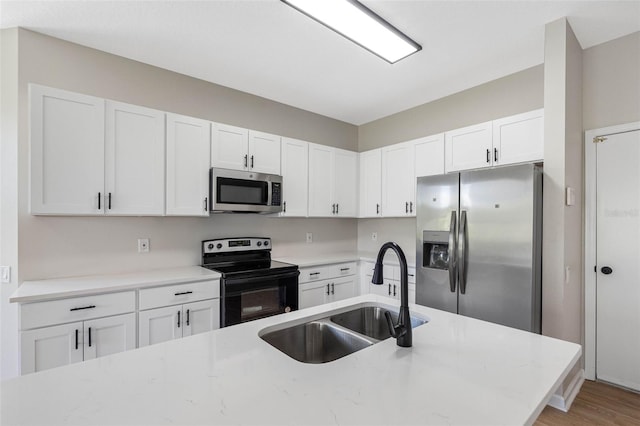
(435, 249)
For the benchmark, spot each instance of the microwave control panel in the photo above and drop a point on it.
(276, 194)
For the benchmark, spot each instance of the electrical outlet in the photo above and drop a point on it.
(5, 274)
(143, 245)
(309, 237)
(374, 236)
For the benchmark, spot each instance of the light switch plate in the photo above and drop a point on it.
(570, 196)
(5, 274)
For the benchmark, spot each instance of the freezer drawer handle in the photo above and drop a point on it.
(463, 252)
(452, 253)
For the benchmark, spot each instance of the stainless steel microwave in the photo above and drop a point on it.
(244, 192)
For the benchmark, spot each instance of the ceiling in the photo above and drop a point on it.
(266, 48)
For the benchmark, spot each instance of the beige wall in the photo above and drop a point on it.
(513, 94)
(611, 83)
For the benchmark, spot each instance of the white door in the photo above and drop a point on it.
(134, 160)
(67, 152)
(343, 288)
(428, 154)
(200, 317)
(50, 347)
(469, 148)
(398, 180)
(519, 138)
(264, 152)
(618, 248)
(295, 173)
(188, 157)
(313, 294)
(229, 147)
(371, 183)
(321, 180)
(110, 335)
(159, 325)
(345, 181)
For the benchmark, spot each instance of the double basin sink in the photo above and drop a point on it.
(334, 336)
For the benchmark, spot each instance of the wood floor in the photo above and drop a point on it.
(596, 404)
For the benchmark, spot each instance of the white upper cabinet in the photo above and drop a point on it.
(264, 152)
(67, 152)
(345, 183)
(428, 154)
(333, 179)
(469, 148)
(188, 146)
(134, 160)
(519, 138)
(229, 147)
(398, 180)
(295, 170)
(371, 183)
(515, 139)
(241, 149)
(321, 180)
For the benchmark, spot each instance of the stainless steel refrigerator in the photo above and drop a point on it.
(479, 244)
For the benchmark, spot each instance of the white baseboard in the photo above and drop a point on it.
(563, 402)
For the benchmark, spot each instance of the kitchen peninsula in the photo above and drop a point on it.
(459, 371)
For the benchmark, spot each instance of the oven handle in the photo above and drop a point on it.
(249, 280)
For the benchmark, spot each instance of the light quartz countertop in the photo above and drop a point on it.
(36, 291)
(459, 371)
(323, 259)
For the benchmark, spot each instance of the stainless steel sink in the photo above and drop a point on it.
(334, 336)
(316, 342)
(370, 321)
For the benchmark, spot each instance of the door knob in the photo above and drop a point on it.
(606, 270)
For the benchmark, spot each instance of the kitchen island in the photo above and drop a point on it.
(459, 371)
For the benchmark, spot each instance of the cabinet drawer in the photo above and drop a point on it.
(42, 314)
(177, 294)
(314, 274)
(342, 269)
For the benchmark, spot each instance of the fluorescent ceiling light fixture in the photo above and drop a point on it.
(359, 24)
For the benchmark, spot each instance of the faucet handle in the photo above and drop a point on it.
(395, 330)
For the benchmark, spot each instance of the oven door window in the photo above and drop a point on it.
(241, 191)
(253, 298)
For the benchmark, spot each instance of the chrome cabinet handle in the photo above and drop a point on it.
(452, 253)
(463, 252)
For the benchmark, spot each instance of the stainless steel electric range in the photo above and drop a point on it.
(252, 285)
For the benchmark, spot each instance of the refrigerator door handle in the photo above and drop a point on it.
(463, 252)
(452, 252)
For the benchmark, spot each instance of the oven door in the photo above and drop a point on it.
(242, 191)
(249, 298)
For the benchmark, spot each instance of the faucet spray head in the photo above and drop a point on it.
(377, 274)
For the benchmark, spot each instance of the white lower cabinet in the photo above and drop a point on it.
(173, 322)
(55, 346)
(326, 291)
(391, 281)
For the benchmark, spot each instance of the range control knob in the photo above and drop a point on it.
(266, 243)
(218, 246)
(210, 246)
(259, 244)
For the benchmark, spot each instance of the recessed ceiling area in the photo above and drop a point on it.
(267, 48)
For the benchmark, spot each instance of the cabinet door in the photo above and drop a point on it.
(110, 335)
(264, 152)
(469, 148)
(371, 183)
(519, 138)
(428, 154)
(398, 180)
(385, 289)
(67, 152)
(50, 347)
(343, 288)
(134, 160)
(345, 183)
(159, 325)
(188, 157)
(295, 173)
(200, 317)
(229, 147)
(313, 294)
(321, 180)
